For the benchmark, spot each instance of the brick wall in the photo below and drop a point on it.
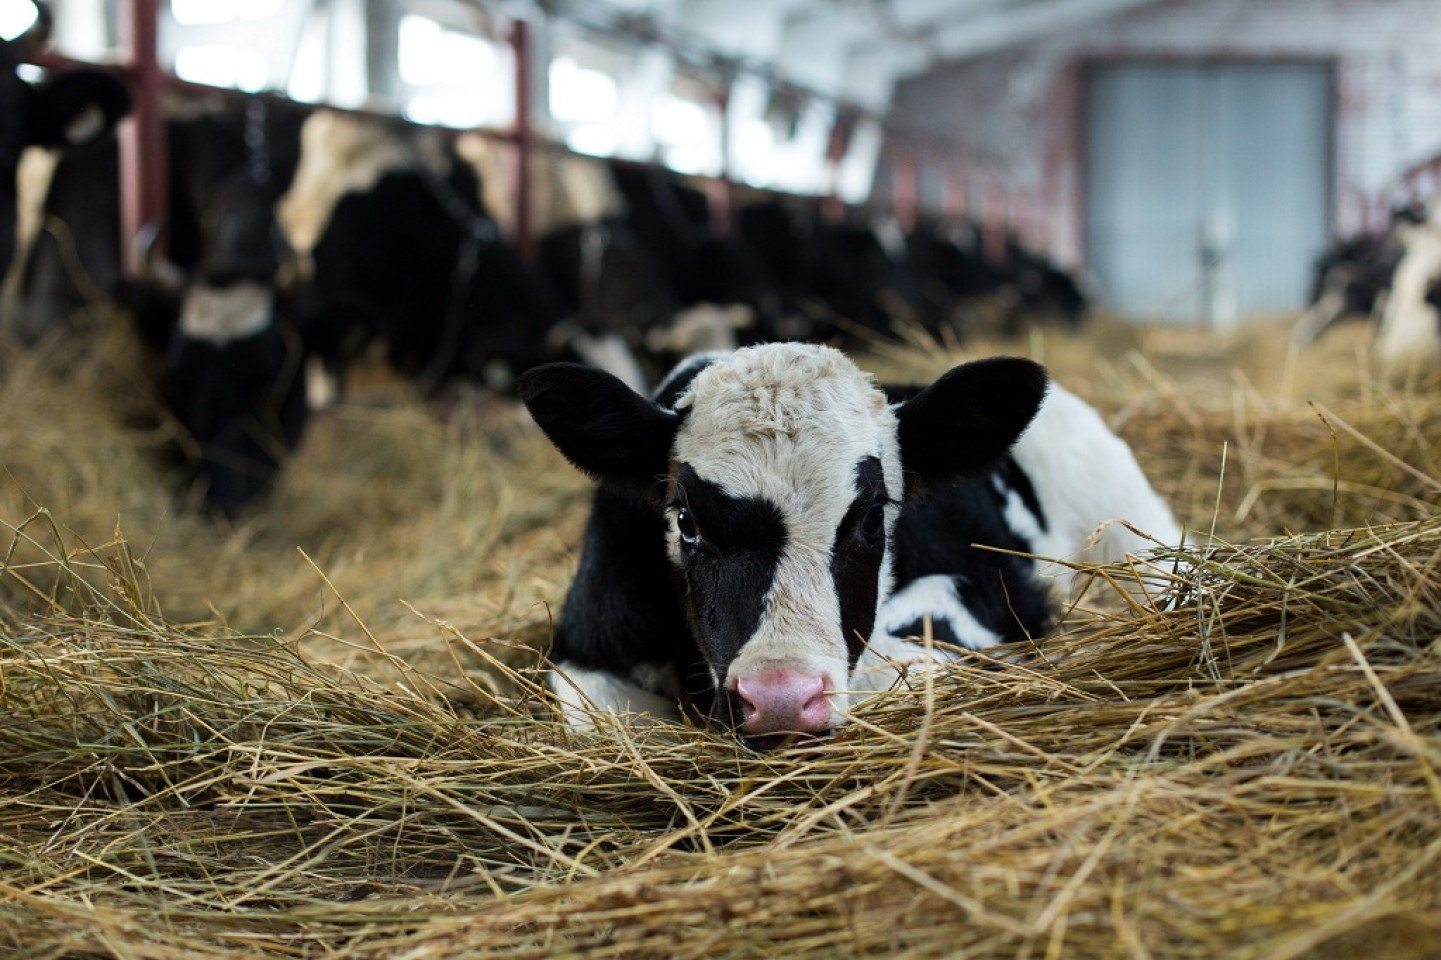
(1013, 120)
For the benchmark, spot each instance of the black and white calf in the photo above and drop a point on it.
(772, 525)
(234, 365)
(1409, 335)
(67, 111)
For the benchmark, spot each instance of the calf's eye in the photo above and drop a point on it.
(873, 524)
(685, 525)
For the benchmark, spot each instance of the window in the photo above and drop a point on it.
(600, 92)
(454, 78)
(686, 127)
(245, 44)
(780, 141)
(856, 172)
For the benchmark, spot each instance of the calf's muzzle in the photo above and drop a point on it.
(784, 699)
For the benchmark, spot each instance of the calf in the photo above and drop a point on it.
(771, 525)
(70, 110)
(1350, 280)
(233, 374)
(1410, 328)
(79, 252)
(402, 250)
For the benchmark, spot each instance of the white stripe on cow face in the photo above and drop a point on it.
(1410, 331)
(220, 315)
(339, 154)
(783, 430)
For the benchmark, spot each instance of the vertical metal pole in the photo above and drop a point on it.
(832, 208)
(956, 202)
(905, 187)
(524, 139)
(143, 174)
(996, 222)
(722, 189)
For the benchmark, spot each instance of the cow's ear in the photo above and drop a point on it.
(601, 425)
(74, 109)
(968, 418)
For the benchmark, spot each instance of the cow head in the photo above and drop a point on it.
(70, 110)
(780, 471)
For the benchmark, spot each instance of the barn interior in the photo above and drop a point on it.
(270, 684)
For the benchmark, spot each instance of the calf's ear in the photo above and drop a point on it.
(601, 425)
(968, 418)
(74, 109)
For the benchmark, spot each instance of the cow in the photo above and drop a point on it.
(79, 256)
(674, 222)
(771, 525)
(1351, 277)
(67, 111)
(1028, 286)
(233, 372)
(1392, 279)
(401, 250)
(839, 281)
(1409, 335)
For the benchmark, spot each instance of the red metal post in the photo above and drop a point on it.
(956, 200)
(996, 221)
(722, 189)
(143, 173)
(905, 186)
(832, 208)
(524, 139)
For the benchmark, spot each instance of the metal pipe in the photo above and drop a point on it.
(832, 207)
(956, 200)
(143, 173)
(721, 191)
(523, 137)
(905, 186)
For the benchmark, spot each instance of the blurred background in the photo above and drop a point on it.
(282, 212)
(1195, 155)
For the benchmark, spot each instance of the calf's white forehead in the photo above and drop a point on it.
(787, 422)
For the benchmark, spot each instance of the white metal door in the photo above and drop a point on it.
(1207, 185)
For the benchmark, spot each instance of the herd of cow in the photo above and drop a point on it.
(1393, 279)
(301, 239)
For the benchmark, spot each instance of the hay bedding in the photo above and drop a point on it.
(205, 753)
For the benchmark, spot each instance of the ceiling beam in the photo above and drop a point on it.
(1005, 28)
(751, 29)
(819, 39)
(916, 16)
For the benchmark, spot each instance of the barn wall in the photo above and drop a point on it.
(1015, 119)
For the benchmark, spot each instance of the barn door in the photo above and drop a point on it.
(1207, 194)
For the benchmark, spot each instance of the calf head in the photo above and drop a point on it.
(70, 110)
(781, 470)
(232, 374)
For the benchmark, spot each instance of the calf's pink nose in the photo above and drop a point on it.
(780, 699)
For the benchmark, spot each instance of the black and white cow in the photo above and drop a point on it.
(1350, 279)
(772, 525)
(403, 251)
(234, 373)
(69, 110)
(1392, 279)
(1409, 335)
(209, 142)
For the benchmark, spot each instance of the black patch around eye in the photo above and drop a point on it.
(729, 523)
(726, 581)
(857, 554)
(873, 524)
